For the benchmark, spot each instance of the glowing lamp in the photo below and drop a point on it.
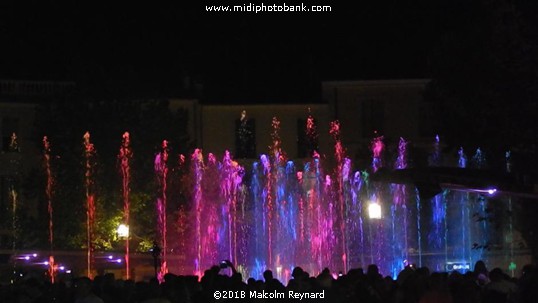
(123, 231)
(491, 191)
(374, 211)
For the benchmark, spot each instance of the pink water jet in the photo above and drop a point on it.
(124, 157)
(342, 174)
(377, 147)
(161, 171)
(89, 154)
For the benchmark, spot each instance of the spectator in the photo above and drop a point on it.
(84, 293)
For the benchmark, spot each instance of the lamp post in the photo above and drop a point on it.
(375, 214)
(156, 254)
(374, 210)
(123, 233)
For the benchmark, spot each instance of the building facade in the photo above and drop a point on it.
(392, 108)
(220, 125)
(388, 108)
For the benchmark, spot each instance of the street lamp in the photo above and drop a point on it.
(374, 210)
(123, 233)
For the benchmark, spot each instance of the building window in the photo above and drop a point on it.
(373, 116)
(307, 137)
(245, 138)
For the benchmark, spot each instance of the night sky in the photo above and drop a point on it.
(149, 50)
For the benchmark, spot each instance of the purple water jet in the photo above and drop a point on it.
(124, 157)
(342, 175)
(161, 172)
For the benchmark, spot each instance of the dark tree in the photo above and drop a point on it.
(65, 122)
(484, 87)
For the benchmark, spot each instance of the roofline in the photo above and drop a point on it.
(390, 82)
(305, 105)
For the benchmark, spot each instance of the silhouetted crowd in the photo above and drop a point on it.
(411, 286)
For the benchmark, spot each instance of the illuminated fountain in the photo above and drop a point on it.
(437, 236)
(281, 213)
(161, 172)
(399, 215)
(124, 158)
(13, 195)
(315, 213)
(89, 155)
(48, 193)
